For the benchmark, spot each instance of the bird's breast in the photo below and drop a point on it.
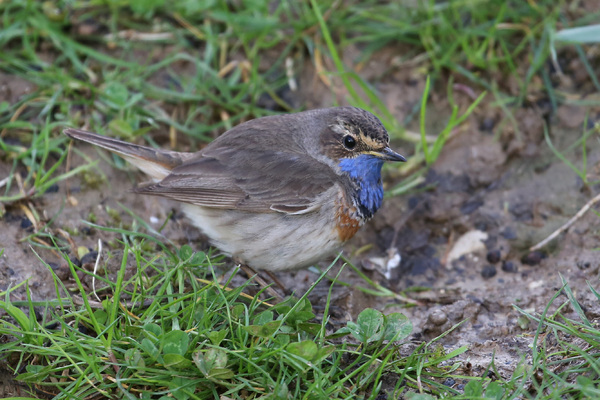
(347, 218)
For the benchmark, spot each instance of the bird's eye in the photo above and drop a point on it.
(349, 142)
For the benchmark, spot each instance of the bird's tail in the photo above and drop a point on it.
(155, 163)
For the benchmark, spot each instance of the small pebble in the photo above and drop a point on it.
(493, 256)
(413, 202)
(52, 189)
(521, 211)
(83, 329)
(75, 261)
(474, 299)
(471, 206)
(488, 271)
(13, 142)
(532, 258)
(52, 326)
(437, 317)
(449, 382)
(583, 265)
(61, 270)
(509, 266)
(25, 223)
(89, 259)
(508, 233)
(80, 275)
(481, 226)
(487, 125)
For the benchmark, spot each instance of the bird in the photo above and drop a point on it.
(280, 192)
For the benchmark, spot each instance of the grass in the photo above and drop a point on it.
(194, 69)
(565, 352)
(170, 329)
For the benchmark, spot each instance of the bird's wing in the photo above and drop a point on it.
(256, 180)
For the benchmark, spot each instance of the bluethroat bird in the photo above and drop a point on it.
(279, 192)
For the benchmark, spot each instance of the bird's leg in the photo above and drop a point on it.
(253, 274)
(277, 281)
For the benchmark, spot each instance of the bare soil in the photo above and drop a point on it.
(496, 175)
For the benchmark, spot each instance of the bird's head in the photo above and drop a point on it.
(354, 133)
(357, 144)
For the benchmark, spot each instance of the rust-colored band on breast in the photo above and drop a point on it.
(346, 226)
(347, 222)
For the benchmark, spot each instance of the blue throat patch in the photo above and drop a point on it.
(365, 170)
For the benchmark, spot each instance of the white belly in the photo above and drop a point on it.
(271, 241)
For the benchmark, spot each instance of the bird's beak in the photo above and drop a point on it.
(388, 154)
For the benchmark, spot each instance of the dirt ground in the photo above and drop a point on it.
(496, 179)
